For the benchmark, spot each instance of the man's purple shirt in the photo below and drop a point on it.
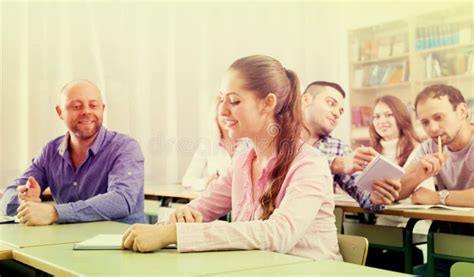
(108, 185)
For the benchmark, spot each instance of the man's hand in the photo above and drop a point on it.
(148, 238)
(33, 213)
(431, 164)
(31, 191)
(423, 196)
(354, 162)
(385, 192)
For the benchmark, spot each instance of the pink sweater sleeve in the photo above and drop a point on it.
(306, 187)
(216, 200)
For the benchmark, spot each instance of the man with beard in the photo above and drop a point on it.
(448, 154)
(322, 108)
(94, 174)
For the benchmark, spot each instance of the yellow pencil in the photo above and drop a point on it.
(440, 147)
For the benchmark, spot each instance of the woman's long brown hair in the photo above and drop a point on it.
(264, 75)
(408, 136)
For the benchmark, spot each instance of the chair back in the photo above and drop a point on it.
(353, 248)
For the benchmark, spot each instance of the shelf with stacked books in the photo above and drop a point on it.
(402, 57)
(380, 75)
(401, 85)
(447, 79)
(445, 49)
(382, 60)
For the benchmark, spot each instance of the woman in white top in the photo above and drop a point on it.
(393, 136)
(213, 155)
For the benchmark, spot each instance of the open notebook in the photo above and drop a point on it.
(104, 242)
(378, 169)
(424, 207)
(6, 219)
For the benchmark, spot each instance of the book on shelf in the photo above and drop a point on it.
(361, 116)
(399, 45)
(384, 47)
(356, 117)
(449, 64)
(381, 74)
(470, 108)
(425, 207)
(368, 50)
(442, 35)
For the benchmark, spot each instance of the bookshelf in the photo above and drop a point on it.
(404, 56)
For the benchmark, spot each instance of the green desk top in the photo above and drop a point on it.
(320, 268)
(20, 235)
(151, 207)
(441, 215)
(62, 260)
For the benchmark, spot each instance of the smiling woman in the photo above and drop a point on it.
(391, 123)
(279, 190)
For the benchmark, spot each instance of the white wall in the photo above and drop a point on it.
(159, 64)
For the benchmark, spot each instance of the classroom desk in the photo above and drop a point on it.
(440, 214)
(319, 268)
(169, 191)
(62, 260)
(20, 235)
(5, 252)
(402, 238)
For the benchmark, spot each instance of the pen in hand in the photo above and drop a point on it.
(440, 147)
(28, 185)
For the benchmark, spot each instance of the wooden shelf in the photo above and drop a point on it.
(382, 60)
(365, 42)
(383, 87)
(443, 49)
(447, 79)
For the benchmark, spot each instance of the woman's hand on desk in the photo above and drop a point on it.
(185, 214)
(148, 238)
(385, 192)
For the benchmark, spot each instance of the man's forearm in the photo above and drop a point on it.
(409, 181)
(337, 166)
(461, 198)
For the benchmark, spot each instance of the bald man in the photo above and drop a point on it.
(94, 174)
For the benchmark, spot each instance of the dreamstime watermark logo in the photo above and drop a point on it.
(161, 145)
(274, 129)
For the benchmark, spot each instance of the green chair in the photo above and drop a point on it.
(462, 269)
(353, 248)
(387, 237)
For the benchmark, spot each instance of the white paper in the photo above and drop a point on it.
(425, 207)
(103, 241)
(378, 169)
